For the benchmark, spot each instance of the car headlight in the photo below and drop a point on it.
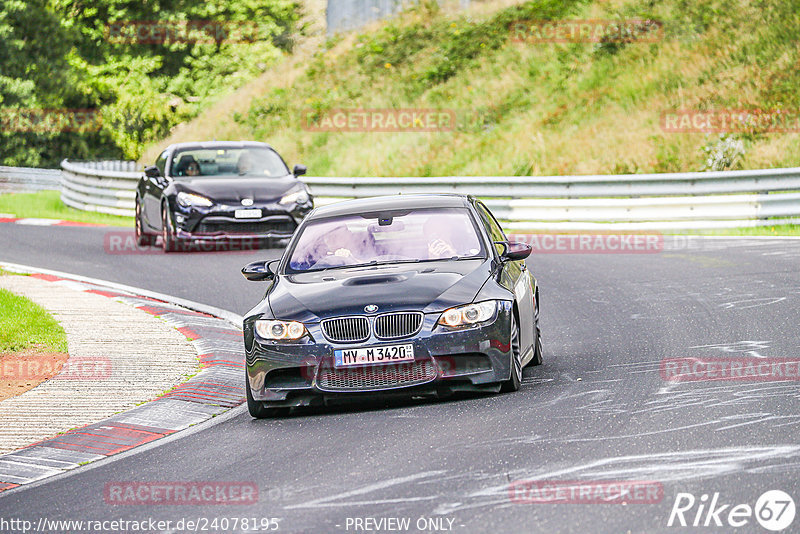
(298, 196)
(190, 199)
(277, 330)
(469, 315)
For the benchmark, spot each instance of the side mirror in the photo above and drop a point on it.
(300, 170)
(514, 250)
(259, 271)
(152, 171)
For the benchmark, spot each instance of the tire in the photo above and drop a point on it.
(168, 242)
(537, 351)
(257, 409)
(513, 383)
(142, 239)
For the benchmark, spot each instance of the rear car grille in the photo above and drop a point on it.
(278, 225)
(376, 376)
(397, 325)
(346, 329)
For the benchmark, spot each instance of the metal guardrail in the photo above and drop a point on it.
(22, 179)
(101, 186)
(605, 202)
(722, 199)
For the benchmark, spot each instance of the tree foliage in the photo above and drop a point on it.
(58, 55)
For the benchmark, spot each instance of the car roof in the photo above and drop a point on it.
(218, 144)
(393, 202)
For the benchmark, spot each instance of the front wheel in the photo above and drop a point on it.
(257, 409)
(513, 383)
(168, 241)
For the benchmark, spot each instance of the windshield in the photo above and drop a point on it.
(251, 161)
(410, 236)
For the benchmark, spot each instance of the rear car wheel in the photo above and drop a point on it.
(168, 242)
(142, 239)
(513, 383)
(537, 350)
(257, 409)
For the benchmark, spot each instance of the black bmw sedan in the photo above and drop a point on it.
(414, 295)
(219, 191)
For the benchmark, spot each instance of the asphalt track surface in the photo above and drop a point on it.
(598, 409)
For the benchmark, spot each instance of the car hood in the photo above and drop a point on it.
(233, 189)
(428, 286)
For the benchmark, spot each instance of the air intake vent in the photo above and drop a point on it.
(346, 329)
(377, 377)
(397, 325)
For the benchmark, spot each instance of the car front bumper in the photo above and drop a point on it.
(446, 361)
(220, 222)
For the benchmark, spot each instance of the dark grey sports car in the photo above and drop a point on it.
(410, 294)
(219, 191)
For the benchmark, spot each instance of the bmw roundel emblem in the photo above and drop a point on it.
(247, 202)
(370, 308)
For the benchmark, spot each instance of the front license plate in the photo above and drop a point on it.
(368, 355)
(247, 214)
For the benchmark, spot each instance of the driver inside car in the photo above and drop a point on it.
(340, 242)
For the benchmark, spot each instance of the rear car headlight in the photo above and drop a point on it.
(277, 330)
(190, 199)
(469, 315)
(298, 196)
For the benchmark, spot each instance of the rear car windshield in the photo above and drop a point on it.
(408, 236)
(250, 161)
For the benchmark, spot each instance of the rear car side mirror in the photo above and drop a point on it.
(300, 170)
(152, 171)
(259, 271)
(514, 250)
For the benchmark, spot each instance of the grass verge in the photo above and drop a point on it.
(770, 231)
(48, 205)
(527, 108)
(25, 324)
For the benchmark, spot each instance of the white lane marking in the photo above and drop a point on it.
(747, 347)
(325, 501)
(38, 222)
(758, 420)
(663, 467)
(751, 303)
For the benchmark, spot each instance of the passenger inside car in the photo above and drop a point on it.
(440, 241)
(245, 163)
